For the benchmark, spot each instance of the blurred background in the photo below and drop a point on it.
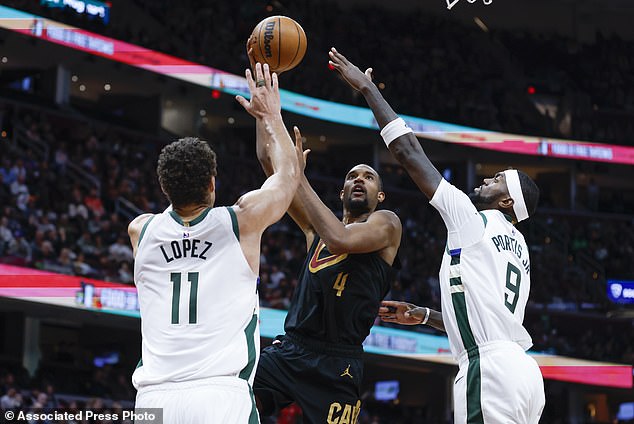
(90, 92)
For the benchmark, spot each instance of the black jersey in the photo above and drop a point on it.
(338, 296)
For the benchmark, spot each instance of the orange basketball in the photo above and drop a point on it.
(280, 42)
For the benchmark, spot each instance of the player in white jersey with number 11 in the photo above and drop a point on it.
(484, 276)
(196, 271)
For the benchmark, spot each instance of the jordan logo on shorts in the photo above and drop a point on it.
(346, 372)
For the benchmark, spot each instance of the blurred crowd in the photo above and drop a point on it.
(429, 66)
(59, 219)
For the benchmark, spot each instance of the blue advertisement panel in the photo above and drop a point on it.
(621, 291)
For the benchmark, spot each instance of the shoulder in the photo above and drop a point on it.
(387, 219)
(136, 225)
(386, 216)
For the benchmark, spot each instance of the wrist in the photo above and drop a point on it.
(368, 88)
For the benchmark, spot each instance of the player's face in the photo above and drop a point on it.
(361, 190)
(490, 192)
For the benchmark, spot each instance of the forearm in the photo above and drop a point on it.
(276, 146)
(261, 141)
(406, 148)
(435, 320)
(429, 317)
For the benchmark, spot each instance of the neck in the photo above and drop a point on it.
(349, 217)
(190, 212)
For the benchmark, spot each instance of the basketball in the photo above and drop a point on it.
(280, 42)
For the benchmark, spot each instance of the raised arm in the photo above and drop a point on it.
(296, 208)
(410, 314)
(406, 148)
(381, 230)
(260, 208)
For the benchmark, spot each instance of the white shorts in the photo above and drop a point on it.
(218, 400)
(500, 385)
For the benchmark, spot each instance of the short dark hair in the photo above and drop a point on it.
(185, 168)
(530, 192)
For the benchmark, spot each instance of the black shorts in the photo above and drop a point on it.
(323, 379)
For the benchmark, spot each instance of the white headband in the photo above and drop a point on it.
(515, 190)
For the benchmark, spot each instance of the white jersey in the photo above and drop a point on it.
(198, 299)
(484, 276)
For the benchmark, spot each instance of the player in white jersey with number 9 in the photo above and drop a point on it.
(484, 276)
(196, 271)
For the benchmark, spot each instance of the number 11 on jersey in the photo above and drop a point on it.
(192, 277)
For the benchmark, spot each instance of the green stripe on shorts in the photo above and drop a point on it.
(474, 382)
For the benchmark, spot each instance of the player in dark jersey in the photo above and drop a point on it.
(347, 272)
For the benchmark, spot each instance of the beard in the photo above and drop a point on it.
(479, 201)
(358, 206)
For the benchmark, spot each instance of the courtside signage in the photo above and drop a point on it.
(621, 291)
(79, 39)
(121, 299)
(91, 8)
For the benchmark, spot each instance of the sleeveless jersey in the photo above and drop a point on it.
(338, 296)
(198, 299)
(484, 276)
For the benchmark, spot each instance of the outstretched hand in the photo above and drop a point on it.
(350, 72)
(302, 155)
(265, 93)
(401, 312)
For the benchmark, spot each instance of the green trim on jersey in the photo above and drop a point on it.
(200, 217)
(456, 281)
(249, 332)
(139, 364)
(253, 417)
(460, 309)
(508, 217)
(143, 230)
(191, 223)
(234, 222)
(484, 218)
(176, 217)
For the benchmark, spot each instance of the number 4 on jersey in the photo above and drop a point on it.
(192, 277)
(340, 283)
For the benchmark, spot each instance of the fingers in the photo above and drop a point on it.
(276, 84)
(250, 81)
(392, 303)
(267, 74)
(368, 73)
(298, 138)
(258, 72)
(338, 56)
(306, 152)
(243, 102)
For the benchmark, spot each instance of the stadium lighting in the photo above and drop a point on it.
(107, 87)
(82, 87)
(231, 120)
(5, 59)
(74, 78)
